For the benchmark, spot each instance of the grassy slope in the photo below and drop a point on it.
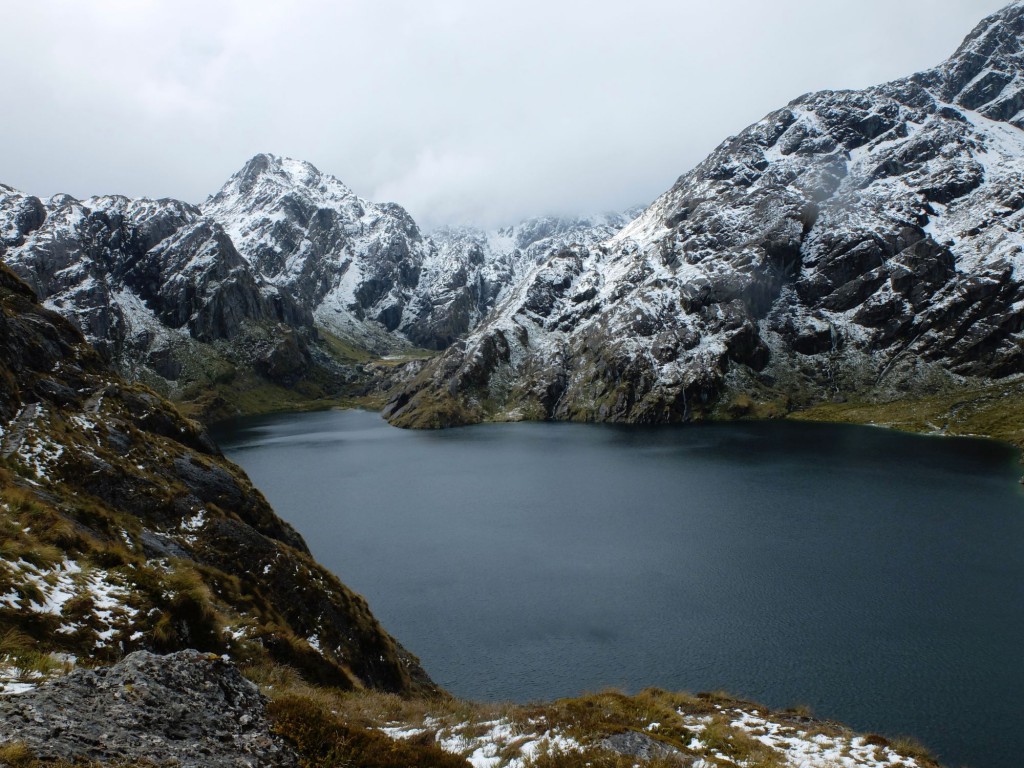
(122, 527)
(228, 390)
(995, 411)
(329, 726)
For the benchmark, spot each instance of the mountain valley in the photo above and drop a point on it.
(853, 256)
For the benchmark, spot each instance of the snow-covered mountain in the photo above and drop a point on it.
(364, 269)
(282, 249)
(854, 243)
(145, 280)
(469, 270)
(351, 262)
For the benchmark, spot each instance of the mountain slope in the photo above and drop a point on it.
(346, 259)
(123, 528)
(232, 295)
(469, 271)
(850, 245)
(160, 290)
(364, 269)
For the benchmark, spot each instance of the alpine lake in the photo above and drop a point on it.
(872, 576)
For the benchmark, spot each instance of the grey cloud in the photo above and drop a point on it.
(461, 111)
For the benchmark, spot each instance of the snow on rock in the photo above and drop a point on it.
(364, 269)
(859, 243)
(138, 277)
(733, 735)
(279, 243)
(801, 748)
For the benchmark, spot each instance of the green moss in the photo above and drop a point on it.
(344, 350)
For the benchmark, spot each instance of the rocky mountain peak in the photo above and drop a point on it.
(986, 74)
(266, 178)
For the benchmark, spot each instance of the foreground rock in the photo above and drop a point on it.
(186, 709)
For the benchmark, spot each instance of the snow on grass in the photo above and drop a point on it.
(40, 454)
(489, 744)
(47, 591)
(195, 522)
(796, 746)
(17, 676)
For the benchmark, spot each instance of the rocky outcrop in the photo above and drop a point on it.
(853, 244)
(468, 271)
(187, 709)
(151, 283)
(153, 540)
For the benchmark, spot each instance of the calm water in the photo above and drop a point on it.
(874, 576)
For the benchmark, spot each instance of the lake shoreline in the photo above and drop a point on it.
(778, 554)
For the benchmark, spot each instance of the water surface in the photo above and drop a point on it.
(874, 576)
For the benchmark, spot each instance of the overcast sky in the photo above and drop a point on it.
(463, 111)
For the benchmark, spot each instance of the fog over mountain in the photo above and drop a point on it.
(461, 112)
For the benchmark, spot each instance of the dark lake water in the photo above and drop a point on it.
(874, 576)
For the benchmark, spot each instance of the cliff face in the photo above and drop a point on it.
(861, 244)
(147, 281)
(364, 269)
(234, 294)
(123, 528)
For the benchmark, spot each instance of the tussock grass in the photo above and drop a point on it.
(995, 411)
(597, 758)
(16, 754)
(910, 747)
(19, 651)
(324, 739)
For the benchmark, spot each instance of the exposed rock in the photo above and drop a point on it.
(364, 269)
(853, 244)
(640, 745)
(151, 283)
(176, 294)
(185, 709)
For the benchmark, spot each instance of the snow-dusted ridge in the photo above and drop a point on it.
(365, 269)
(852, 244)
(163, 286)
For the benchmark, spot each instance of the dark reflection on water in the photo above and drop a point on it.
(874, 576)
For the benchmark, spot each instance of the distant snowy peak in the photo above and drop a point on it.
(532, 239)
(469, 271)
(364, 268)
(267, 183)
(562, 229)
